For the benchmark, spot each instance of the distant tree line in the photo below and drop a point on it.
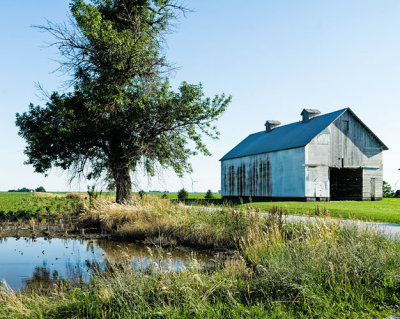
(40, 189)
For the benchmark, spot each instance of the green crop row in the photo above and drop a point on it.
(25, 206)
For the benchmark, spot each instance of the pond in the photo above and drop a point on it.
(32, 263)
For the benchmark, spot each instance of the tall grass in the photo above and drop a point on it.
(163, 222)
(280, 270)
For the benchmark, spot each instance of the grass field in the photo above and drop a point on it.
(280, 270)
(386, 211)
(20, 206)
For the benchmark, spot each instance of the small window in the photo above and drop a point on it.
(346, 126)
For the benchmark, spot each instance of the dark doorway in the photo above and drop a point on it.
(345, 183)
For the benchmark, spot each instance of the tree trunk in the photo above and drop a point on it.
(123, 185)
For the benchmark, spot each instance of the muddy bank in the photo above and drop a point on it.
(59, 230)
(78, 231)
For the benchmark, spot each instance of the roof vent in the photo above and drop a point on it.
(270, 125)
(308, 114)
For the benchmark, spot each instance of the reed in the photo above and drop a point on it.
(280, 270)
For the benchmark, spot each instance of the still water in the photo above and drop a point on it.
(26, 262)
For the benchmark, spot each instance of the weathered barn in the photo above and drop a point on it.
(334, 156)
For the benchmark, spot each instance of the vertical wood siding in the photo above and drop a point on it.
(345, 143)
(275, 174)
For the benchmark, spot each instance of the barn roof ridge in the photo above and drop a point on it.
(287, 124)
(288, 136)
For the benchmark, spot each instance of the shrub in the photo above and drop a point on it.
(141, 193)
(387, 190)
(183, 194)
(164, 196)
(93, 194)
(209, 195)
(40, 189)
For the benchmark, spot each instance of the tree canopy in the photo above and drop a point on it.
(122, 112)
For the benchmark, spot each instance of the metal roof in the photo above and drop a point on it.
(292, 135)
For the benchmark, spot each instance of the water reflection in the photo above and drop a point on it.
(40, 263)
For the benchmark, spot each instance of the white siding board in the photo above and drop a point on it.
(275, 174)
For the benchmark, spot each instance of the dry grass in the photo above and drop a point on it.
(283, 270)
(161, 221)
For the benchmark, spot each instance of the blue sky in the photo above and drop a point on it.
(273, 57)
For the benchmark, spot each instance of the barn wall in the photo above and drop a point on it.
(275, 174)
(317, 168)
(355, 145)
(345, 143)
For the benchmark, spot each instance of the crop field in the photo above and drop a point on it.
(25, 206)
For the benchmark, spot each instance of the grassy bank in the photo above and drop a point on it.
(385, 211)
(280, 271)
(148, 219)
(163, 222)
(24, 206)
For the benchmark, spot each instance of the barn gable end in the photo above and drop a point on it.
(344, 161)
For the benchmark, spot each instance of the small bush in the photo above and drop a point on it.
(141, 193)
(183, 194)
(209, 195)
(164, 196)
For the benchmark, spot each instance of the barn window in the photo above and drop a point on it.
(346, 126)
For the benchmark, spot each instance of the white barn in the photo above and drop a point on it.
(334, 156)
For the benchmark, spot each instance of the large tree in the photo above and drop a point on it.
(121, 112)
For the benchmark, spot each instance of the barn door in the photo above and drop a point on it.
(345, 183)
(372, 188)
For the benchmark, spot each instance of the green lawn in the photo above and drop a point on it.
(387, 210)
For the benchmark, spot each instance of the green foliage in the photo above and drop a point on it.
(387, 190)
(183, 194)
(209, 195)
(122, 111)
(40, 189)
(164, 196)
(93, 194)
(21, 190)
(141, 193)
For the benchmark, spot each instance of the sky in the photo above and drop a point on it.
(274, 57)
